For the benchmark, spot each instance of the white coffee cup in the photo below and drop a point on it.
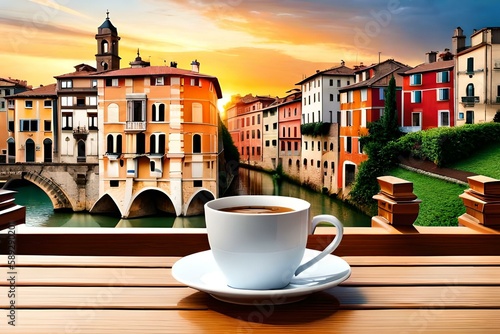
(263, 251)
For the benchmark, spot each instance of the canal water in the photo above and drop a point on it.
(39, 210)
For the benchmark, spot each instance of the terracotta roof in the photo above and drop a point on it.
(43, 91)
(429, 67)
(14, 82)
(81, 70)
(156, 71)
(339, 70)
(383, 73)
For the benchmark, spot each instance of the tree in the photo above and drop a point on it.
(378, 145)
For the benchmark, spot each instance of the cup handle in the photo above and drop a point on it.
(331, 247)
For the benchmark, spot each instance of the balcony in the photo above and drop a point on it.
(80, 132)
(135, 126)
(469, 101)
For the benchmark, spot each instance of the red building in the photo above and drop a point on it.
(361, 103)
(290, 138)
(428, 94)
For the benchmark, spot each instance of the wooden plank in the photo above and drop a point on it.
(176, 244)
(381, 275)
(422, 260)
(435, 275)
(90, 261)
(223, 319)
(349, 297)
(417, 297)
(90, 276)
(105, 297)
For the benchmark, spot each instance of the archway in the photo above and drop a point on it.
(47, 150)
(196, 204)
(30, 150)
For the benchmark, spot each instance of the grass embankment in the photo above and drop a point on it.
(441, 205)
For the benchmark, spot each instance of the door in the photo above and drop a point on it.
(469, 118)
(82, 155)
(47, 150)
(30, 150)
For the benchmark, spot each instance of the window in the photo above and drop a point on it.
(331, 97)
(66, 101)
(196, 143)
(198, 183)
(443, 77)
(47, 126)
(469, 118)
(415, 119)
(159, 81)
(93, 83)
(461, 115)
(28, 125)
(470, 65)
(195, 82)
(274, 143)
(415, 79)
(80, 101)
(47, 103)
(136, 110)
(469, 91)
(66, 84)
(443, 94)
(416, 96)
(348, 146)
(157, 143)
(381, 94)
(444, 118)
(11, 126)
(338, 83)
(158, 112)
(67, 120)
(267, 143)
(111, 82)
(92, 100)
(364, 94)
(28, 104)
(331, 82)
(348, 118)
(92, 120)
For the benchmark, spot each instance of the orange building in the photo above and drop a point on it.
(32, 126)
(8, 87)
(158, 135)
(361, 103)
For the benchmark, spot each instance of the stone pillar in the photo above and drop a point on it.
(482, 204)
(397, 204)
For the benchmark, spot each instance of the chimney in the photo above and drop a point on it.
(195, 66)
(173, 64)
(458, 41)
(431, 57)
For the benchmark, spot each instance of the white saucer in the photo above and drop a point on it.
(200, 272)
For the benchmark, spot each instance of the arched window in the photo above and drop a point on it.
(158, 112)
(331, 146)
(119, 144)
(289, 162)
(325, 165)
(470, 90)
(82, 154)
(152, 144)
(161, 144)
(258, 134)
(105, 46)
(47, 150)
(109, 142)
(196, 144)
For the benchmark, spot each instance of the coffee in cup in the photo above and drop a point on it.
(258, 241)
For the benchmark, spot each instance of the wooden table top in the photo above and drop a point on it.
(125, 294)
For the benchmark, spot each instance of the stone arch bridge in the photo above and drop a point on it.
(72, 187)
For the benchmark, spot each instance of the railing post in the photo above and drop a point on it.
(482, 204)
(397, 204)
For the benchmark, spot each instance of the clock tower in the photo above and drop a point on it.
(107, 46)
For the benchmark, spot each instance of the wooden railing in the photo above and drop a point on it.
(391, 234)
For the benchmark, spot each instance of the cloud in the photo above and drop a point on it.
(56, 6)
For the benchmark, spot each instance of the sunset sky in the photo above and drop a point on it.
(253, 46)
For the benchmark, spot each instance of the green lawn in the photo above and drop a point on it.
(485, 162)
(441, 205)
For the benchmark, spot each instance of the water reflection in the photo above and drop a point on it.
(39, 210)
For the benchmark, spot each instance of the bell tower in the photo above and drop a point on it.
(107, 46)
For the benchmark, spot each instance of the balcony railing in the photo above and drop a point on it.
(80, 132)
(469, 101)
(135, 126)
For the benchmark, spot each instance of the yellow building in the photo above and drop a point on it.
(158, 135)
(33, 112)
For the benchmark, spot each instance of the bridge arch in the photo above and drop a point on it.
(148, 202)
(106, 205)
(60, 200)
(196, 202)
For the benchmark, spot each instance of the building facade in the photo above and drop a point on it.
(478, 76)
(158, 135)
(33, 113)
(289, 134)
(361, 103)
(428, 95)
(321, 107)
(8, 88)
